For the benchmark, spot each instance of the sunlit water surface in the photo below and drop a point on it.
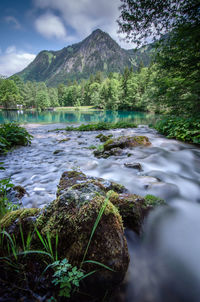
(166, 263)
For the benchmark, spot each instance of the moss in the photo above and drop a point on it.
(151, 200)
(92, 147)
(11, 217)
(64, 140)
(104, 138)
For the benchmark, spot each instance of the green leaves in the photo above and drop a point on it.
(66, 277)
(11, 134)
(184, 129)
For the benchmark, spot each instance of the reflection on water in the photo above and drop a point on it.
(75, 116)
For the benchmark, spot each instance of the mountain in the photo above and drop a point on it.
(98, 52)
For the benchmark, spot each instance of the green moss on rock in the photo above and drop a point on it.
(19, 215)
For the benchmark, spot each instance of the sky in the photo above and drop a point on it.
(30, 26)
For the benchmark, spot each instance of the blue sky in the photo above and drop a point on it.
(29, 26)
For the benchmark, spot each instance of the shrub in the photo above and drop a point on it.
(11, 134)
(181, 128)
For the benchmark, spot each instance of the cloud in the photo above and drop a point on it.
(51, 26)
(12, 61)
(83, 16)
(13, 21)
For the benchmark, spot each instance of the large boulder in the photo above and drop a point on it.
(73, 215)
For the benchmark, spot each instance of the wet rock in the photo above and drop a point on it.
(136, 166)
(126, 142)
(58, 151)
(20, 191)
(72, 217)
(64, 140)
(115, 146)
(106, 154)
(103, 138)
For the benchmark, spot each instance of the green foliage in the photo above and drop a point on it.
(9, 94)
(11, 134)
(141, 19)
(100, 126)
(66, 276)
(184, 129)
(152, 200)
(5, 205)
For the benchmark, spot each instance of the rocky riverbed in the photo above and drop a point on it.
(165, 260)
(167, 168)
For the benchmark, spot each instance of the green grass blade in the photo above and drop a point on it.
(42, 240)
(100, 264)
(95, 225)
(89, 274)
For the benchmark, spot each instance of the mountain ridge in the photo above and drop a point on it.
(97, 52)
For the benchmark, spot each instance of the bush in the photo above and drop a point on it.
(11, 134)
(181, 128)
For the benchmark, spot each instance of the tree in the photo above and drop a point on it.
(177, 86)
(42, 100)
(141, 19)
(9, 94)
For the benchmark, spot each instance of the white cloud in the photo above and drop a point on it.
(13, 21)
(12, 61)
(51, 26)
(83, 16)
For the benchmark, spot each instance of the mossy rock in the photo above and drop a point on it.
(103, 138)
(25, 217)
(114, 146)
(72, 216)
(126, 142)
(64, 140)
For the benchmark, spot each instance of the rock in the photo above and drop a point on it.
(106, 154)
(72, 216)
(114, 146)
(57, 152)
(20, 191)
(64, 140)
(104, 138)
(133, 166)
(126, 142)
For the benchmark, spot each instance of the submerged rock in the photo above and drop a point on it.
(136, 166)
(114, 146)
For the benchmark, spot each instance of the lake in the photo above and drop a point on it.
(75, 116)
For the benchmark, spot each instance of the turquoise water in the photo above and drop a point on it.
(76, 116)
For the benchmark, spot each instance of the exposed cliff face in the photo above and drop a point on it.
(98, 52)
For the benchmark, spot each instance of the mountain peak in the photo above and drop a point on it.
(97, 31)
(97, 52)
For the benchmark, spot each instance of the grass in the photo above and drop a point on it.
(15, 253)
(98, 126)
(80, 108)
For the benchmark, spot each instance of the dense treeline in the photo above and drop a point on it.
(151, 89)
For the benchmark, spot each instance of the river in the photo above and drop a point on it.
(166, 262)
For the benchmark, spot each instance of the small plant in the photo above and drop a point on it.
(66, 277)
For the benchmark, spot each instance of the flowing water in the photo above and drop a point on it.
(165, 264)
